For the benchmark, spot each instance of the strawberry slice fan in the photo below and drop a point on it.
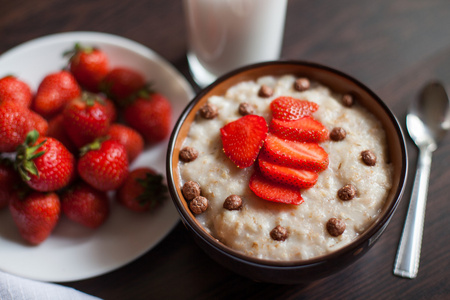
(287, 153)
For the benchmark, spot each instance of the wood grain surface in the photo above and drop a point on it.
(393, 46)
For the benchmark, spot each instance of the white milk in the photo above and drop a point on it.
(226, 34)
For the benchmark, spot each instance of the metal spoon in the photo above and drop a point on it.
(427, 122)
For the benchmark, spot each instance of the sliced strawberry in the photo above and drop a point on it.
(289, 109)
(242, 139)
(305, 129)
(295, 177)
(309, 156)
(272, 191)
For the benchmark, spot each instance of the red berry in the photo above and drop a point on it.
(103, 165)
(242, 139)
(14, 126)
(130, 138)
(85, 119)
(38, 122)
(142, 190)
(89, 66)
(289, 109)
(273, 191)
(111, 110)
(56, 130)
(85, 205)
(36, 215)
(54, 92)
(9, 181)
(121, 83)
(151, 116)
(44, 163)
(15, 90)
(291, 176)
(309, 156)
(305, 129)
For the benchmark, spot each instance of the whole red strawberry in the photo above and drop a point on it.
(130, 138)
(14, 126)
(38, 122)
(54, 92)
(44, 163)
(56, 130)
(15, 90)
(9, 181)
(111, 109)
(85, 205)
(151, 115)
(36, 215)
(142, 190)
(121, 83)
(89, 65)
(242, 139)
(103, 164)
(85, 119)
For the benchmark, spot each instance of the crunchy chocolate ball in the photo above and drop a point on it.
(265, 91)
(335, 227)
(191, 189)
(245, 109)
(338, 134)
(279, 233)
(198, 205)
(368, 157)
(347, 192)
(302, 84)
(188, 154)
(232, 202)
(209, 111)
(348, 100)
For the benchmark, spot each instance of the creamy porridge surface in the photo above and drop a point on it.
(247, 230)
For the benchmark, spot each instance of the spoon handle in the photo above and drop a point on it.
(408, 253)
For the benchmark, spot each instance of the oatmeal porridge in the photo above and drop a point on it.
(346, 198)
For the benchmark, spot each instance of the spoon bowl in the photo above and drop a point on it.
(428, 119)
(427, 122)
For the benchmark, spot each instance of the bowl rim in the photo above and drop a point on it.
(380, 223)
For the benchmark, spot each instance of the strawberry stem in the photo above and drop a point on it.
(26, 153)
(154, 190)
(95, 145)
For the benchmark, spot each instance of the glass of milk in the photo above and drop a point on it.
(227, 34)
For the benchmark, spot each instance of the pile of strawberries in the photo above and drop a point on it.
(286, 153)
(71, 142)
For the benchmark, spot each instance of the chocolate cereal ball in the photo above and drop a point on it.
(279, 233)
(302, 84)
(209, 111)
(245, 109)
(348, 100)
(191, 189)
(232, 202)
(335, 227)
(338, 134)
(369, 158)
(198, 205)
(188, 154)
(265, 91)
(347, 192)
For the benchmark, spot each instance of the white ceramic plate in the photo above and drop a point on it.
(73, 252)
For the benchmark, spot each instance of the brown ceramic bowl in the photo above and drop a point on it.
(290, 272)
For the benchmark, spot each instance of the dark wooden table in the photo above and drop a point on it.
(393, 46)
